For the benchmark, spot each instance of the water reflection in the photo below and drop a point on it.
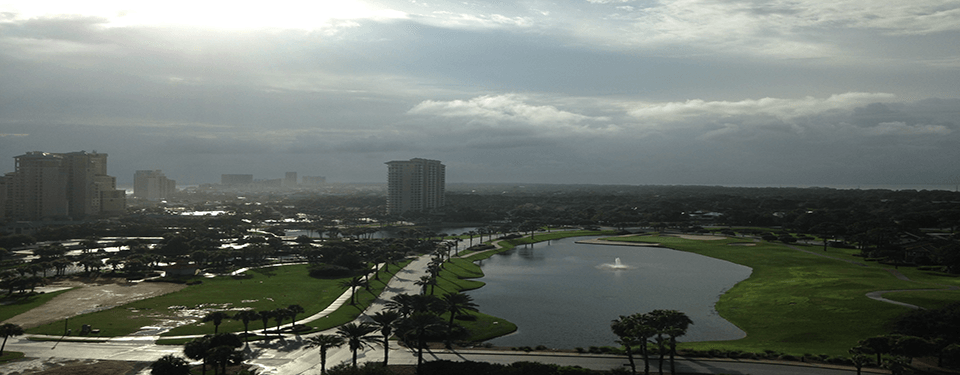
(559, 297)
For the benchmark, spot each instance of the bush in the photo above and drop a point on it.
(329, 271)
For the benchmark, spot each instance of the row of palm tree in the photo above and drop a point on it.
(279, 315)
(413, 318)
(660, 327)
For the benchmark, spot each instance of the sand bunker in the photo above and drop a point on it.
(742, 244)
(90, 297)
(700, 237)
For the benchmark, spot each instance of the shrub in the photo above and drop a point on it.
(329, 271)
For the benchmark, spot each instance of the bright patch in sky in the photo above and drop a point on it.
(231, 15)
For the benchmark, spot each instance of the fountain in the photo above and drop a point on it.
(616, 265)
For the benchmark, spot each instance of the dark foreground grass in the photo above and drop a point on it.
(795, 302)
(16, 304)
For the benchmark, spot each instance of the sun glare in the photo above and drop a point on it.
(208, 14)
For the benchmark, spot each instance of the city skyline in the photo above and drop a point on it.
(692, 92)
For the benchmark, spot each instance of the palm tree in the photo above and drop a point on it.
(293, 310)
(678, 324)
(279, 315)
(246, 316)
(401, 303)
(357, 336)
(418, 325)
(7, 330)
(170, 365)
(457, 303)
(223, 350)
(385, 321)
(353, 284)
(625, 329)
(196, 349)
(265, 316)
(324, 342)
(424, 282)
(216, 317)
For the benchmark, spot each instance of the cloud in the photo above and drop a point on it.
(494, 109)
(901, 128)
(775, 107)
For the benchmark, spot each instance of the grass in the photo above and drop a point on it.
(797, 303)
(263, 289)
(10, 356)
(928, 300)
(540, 236)
(19, 305)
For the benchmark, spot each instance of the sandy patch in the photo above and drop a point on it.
(742, 244)
(56, 366)
(618, 243)
(90, 297)
(700, 238)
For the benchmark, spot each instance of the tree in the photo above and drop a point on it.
(196, 350)
(353, 284)
(279, 315)
(672, 324)
(324, 342)
(223, 350)
(385, 321)
(216, 317)
(424, 282)
(265, 316)
(624, 329)
(357, 337)
(678, 323)
(878, 345)
(7, 330)
(418, 325)
(246, 316)
(457, 303)
(634, 331)
(858, 358)
(170, 365)
(293, 310)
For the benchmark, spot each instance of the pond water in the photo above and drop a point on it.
(564, 295)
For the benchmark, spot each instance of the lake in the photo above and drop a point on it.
(564, 295)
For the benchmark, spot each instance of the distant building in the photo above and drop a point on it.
(313, 180)
(290, 179)
(51, 185)
(153, 185)
(415, 185)
(236, 179)
(3, 197)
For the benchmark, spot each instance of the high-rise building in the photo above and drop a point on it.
(153, 185)
(415, 185)
(290, 180)
(51, 185)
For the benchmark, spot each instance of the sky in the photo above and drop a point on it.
(688, 92)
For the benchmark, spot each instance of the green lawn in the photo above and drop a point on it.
(15, 305)
(928, 300)
(263, 289)
(798, 303)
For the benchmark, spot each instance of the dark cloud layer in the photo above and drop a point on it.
(577, 92)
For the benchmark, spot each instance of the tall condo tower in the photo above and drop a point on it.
(54, 185)
(153, 184)
(415, 185)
